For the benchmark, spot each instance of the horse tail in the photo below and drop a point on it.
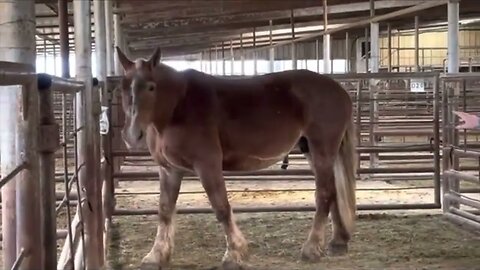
(345, 171)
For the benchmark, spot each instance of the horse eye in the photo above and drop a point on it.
(151, 87)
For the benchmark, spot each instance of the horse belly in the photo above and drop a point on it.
(248, 163)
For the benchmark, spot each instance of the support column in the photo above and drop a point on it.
(84, 107)
(223, 58)
(21, 199)
(242, 57)
(389, 47)
(453, 35)
(64, 41)
(347, 52)
(417, 45)
(293, 48)
(118, 42)
(374, 39)
(101, 60)
(109, 31)
(232, 60)
(255, 51)
(326, 41)
(317, 55)
(271, 51)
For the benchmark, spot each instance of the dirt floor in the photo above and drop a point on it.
(380, 242)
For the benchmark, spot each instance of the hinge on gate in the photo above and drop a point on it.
(48, 138)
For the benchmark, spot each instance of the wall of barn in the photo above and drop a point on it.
(432, 48)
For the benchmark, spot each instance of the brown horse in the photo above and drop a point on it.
(192, 121)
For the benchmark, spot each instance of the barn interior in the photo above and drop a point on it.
(407, 65)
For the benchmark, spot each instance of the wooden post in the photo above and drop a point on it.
(86, 147)
(47, 145)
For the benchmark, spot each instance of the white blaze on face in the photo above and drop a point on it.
(133, 134)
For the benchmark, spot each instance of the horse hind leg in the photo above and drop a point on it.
(322, 166)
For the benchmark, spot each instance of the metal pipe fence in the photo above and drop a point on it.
(48, 137)
(461, 197)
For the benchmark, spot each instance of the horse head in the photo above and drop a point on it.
(149, 95)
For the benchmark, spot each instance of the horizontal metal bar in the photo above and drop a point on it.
(463, 200)
(465, 153)
(295, 172)
(459, 220)
(466, 75)
(205, 210)
(464, 214)
(54, 83)
(462, 176)
(12, 174)
(16, 73)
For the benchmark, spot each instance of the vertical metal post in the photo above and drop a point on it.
(54, 59)
(367, 66)
(347, 52)
(417, 43)
(232, 60)
(436, 139)
(100, 40)
(48, 144)
(101, 59)
(374, 41)
(242, 57)
(118, 42)
(453, 35)
(84, 107)
(216, 60)
(271, 50)
(254, 51)
(223, 58)
(317, 55)
(64, 41)
(45, 55)
(293, 48)
(18, 140)
(210, 63)
(109, 37)
(389, 47)
(326, 40)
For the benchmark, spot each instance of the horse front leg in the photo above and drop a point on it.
(159, 255)
(213, 182)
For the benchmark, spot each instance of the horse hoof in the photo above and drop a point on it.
(150, 266)
(229, 265)
(337, 249)
(312, 253)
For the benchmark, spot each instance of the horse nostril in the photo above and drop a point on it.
(140, 136)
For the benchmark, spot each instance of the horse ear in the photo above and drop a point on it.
(127, 64)
(155, 58)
